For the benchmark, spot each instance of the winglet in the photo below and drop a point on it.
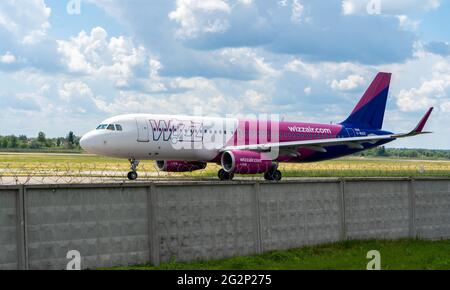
(419, 128)
(423, 122)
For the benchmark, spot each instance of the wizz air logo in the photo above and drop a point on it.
(177, 131)
(311, 130)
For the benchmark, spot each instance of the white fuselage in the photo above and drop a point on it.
(160, 137)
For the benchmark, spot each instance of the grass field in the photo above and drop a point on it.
(349, 255)
(42, 164)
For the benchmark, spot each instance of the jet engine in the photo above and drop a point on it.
(246, 162)
(180, 166)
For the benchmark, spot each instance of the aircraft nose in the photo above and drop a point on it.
(89, 143)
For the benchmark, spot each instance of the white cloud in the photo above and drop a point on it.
(78, 97)
(348, 7)
(445, 107)
(407, 24)
(27, 20)
(297, 11)
(325, 70)
(434, 90)
(428, 94)
(307, 91)
(246, 59)
(201, 16)
(115, 58)
(195, 93)
(350, 83)
(7, 58)
(246, 2)
(255, 99)
(73, 91)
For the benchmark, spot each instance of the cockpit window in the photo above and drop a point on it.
(110, 127)
(102, 127)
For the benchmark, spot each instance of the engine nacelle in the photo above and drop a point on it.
(246, 162)
(180, 166)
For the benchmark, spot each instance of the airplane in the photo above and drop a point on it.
(241, 146)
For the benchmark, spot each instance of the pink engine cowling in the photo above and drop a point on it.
(245, 162)
(180, 166)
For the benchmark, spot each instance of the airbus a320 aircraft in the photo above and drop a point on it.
(186, 144)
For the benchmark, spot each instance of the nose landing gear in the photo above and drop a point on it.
(133, 174)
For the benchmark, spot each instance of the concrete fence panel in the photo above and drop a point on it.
(294, 215)
(9, 230)
(432, 209)
(197, 222)
(377, 209)
(108, 226)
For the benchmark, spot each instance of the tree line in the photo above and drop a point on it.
(405, 153)
(41, 142)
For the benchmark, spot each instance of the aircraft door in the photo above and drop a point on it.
(143, 130)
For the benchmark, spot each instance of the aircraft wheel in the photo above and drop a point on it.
(277, 176)
(225, 176)
(273, 176)
(132, 175)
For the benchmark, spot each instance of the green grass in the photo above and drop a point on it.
(349, 255)
(44, 164)
(54, 158)
(42, 150)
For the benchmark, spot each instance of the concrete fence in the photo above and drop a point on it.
(128, 224)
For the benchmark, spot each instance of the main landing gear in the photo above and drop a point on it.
(225, 176)
(132, 175)
(273, 175)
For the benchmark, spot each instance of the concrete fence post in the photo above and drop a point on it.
(20, 229)
(343, 229)
(257, 217)
(153, 235)
(412, 209)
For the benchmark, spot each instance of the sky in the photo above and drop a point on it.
(66, 65)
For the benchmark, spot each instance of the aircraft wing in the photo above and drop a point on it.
(320, 144)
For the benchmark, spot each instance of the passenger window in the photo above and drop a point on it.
(111, 128)
(119, 128)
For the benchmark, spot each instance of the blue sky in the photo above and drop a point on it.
(307, 60)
